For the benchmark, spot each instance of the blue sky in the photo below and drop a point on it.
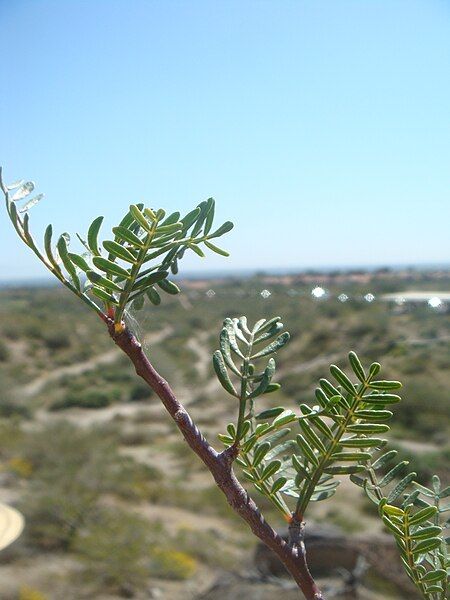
(321, 128)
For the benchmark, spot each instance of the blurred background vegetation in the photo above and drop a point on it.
(115, 504)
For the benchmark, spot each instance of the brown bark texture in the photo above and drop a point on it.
(291, 553)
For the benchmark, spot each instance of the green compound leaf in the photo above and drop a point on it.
(141, 236)
(415, 525)
(342, 429)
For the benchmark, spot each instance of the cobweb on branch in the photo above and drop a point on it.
(135, 325)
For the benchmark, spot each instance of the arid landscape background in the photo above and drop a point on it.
(115, 503)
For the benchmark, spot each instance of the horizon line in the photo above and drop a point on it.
(248, 272)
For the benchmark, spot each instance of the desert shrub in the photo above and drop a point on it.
(136, 437)
(143, 416)
(86, 399)
(72, 469)
(139, 391)
(206, 546)
(56, 340)
(140, 482)
(196, 322)
(4, 352)
(425, 464)
(11, 437)
(115, 548)
(348, 524)
(117, 375)
(33, 330)
(321, 340)
(208, 500)
(428, 411)
(200, 400)
(11, 331)
(9, 408)
(416, 363)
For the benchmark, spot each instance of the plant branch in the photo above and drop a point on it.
(220, 466)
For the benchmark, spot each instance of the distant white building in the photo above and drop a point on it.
(435, 299)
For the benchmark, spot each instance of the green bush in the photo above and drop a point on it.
(72, 469)
(136, 437)
(9, 409)
(87, 399)
(115, 548)
(56, 340)
(425, 464)
(428, 410)
(140, 391)
(4, 352)
(205, 546)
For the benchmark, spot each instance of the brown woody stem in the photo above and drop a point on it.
(292, 555)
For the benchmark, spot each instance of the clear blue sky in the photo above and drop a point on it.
(322, 128)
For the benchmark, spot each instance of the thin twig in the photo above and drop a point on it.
(220, 465)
